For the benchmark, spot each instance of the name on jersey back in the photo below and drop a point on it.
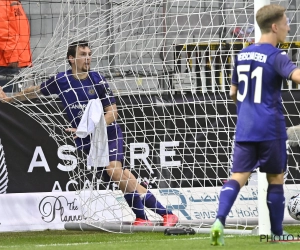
(252, 56)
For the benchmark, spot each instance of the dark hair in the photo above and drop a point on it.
(268, 15)
(73, 48)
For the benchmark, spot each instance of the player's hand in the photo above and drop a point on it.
(3, 97)
(73, 131)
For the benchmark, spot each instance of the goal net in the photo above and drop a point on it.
(169, 64)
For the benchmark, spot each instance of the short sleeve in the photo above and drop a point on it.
(234, 78)
(104, 91)
(49, 87)
(283, 65)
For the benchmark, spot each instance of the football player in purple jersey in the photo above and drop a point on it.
(260, 139)
(75, 88)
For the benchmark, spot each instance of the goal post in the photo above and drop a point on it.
(169, 65)
(264, 225)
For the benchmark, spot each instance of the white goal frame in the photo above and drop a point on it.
(141, 81)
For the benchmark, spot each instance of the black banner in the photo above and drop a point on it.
(178, 141)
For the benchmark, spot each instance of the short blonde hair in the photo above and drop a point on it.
(268, 15)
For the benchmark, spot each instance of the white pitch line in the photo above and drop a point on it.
(109, 242)
(171, 238)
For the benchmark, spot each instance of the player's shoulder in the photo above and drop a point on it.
(97, 77)
(266, 47)
(61, 76)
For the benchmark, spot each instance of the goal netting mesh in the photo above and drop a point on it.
(169, 64)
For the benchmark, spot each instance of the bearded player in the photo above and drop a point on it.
(75, 88)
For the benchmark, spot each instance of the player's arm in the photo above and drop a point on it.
(233, 92)
(29, 93)
(111, 113)
(110, 116)
(295, 76)
(234, 84)
(286, 68)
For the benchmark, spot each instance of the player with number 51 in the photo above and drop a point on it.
(260, 139)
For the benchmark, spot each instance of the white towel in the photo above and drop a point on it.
(93, 122)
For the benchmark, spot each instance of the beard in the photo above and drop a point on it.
(85, 69)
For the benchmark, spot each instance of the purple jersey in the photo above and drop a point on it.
(75, 94)
(258, 73)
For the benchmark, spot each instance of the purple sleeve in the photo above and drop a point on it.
(105, 94)
(49, 87)
(234, 78)
(107, 97)
(283, 65)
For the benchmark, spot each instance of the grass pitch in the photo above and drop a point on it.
(76, 240)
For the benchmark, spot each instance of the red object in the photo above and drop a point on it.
(170, 220)
(238, 32)
(141, 222)
(243, 34)
(14, 34)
